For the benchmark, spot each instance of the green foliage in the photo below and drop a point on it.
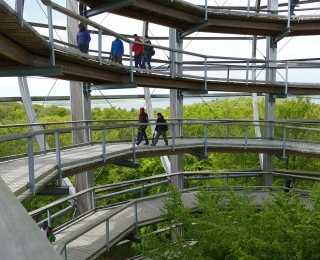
(229, 226)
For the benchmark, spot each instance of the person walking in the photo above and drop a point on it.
(143, 118)
(137, 49)
(83, 38)
(161, 130)
(293, 4)
(117, 51)
(147, 53)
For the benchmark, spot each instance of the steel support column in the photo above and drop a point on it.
(176, 111)
(255, 108)
(269, 114)
(80, 110)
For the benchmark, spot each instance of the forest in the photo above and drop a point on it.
(235, 108)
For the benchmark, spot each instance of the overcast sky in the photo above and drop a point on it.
(289, 48)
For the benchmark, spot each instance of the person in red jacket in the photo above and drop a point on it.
(138, 50)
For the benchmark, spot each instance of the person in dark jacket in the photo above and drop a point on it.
(83, 38)
(143, 118)
(293, 5)
(137, 49)
(117, 51)
(161, 130)
(147, 53)
(288, 186)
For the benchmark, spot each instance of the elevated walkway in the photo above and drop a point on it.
(32, 49)
(183, 15)
(91, 234)
(20, 171)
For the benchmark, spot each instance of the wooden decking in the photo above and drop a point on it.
(75, 160)
(31, 49)
(85, 238)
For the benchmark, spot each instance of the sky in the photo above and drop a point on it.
(288, 48)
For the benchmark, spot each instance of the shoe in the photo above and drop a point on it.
(146, 144)
(137, 143)
(152, 144)
(167, 144)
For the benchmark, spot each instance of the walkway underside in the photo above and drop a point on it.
(182, 15)
(23, 46)
(76, 160)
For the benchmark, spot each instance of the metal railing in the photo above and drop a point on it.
(203, 132)
(205, 68)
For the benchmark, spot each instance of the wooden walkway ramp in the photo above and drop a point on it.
(86, 236)
(15, 172)
(32, 50)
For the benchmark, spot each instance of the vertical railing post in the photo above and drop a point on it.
(100, 46)
(107, 235)
(246, 138)
(49, 217)
(284, 141)
(227, 135)
(247, 73)
(44, 140)
(205, 140)
(205, 74)
(31, 165)
(172, 64)
(228, 73)
(93, 199)
(131, 61)
(136, 217)
(58, 158)
(248, 9)
(51, 40)
(104, 143)
(64, 253)
(19, 9)
(133, 143)
(206, 9)
(142, 189)
(289, 13)
(173, 136)
(287, 70)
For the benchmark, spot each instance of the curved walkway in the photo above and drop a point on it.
(91, 234)
(75, 160)
(32, 50)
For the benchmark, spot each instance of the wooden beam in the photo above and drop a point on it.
(6, 64)
(14, 51)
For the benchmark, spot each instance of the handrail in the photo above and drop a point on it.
(75, 234)
(99, 26)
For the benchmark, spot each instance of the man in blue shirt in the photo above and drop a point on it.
(117, 51)
(83, 39)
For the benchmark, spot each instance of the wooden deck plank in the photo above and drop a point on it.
(15, 172)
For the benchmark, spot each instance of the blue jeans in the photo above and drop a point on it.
(137, 60)
(146, 59)
(142, 134)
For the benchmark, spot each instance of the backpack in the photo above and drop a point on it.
(165, 127)
(153, 52)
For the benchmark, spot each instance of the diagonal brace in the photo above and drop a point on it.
(279, 37)
(193, 29)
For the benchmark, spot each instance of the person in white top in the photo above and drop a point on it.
(44, 228)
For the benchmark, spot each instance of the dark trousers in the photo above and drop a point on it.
(84, 48)
(164, 135)
(137, 60)
(142, 134)
(146, 59)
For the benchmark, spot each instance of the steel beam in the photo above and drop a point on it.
(52, 190)
(280, 36)
(31, 71)
(108, 7)
(129, 164)
(114, 86)
(193, 92)
(193, 29)
(200, 155)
